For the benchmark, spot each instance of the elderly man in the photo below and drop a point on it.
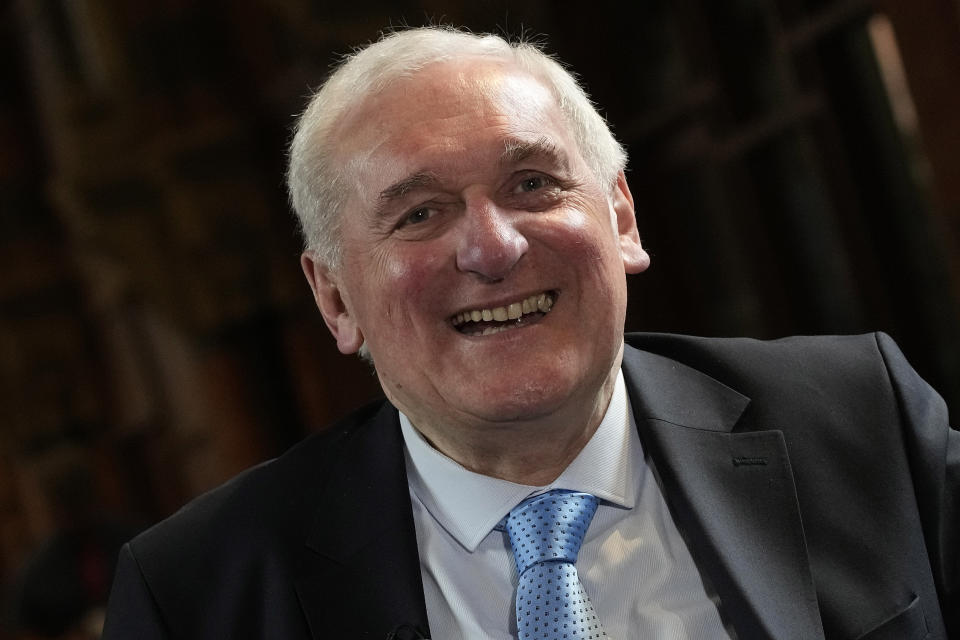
(469, 228)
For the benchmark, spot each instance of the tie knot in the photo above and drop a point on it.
(549, 527)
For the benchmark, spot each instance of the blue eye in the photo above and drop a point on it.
(417, 216)
(533, 183)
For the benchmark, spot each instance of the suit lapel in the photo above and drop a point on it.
(361, 558)
(731, 494)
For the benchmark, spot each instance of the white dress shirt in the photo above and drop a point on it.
(633, 563)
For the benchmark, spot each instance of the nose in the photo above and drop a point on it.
(490, 244)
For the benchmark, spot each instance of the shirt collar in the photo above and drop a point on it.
(468, 505)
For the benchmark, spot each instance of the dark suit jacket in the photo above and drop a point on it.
(816, 481)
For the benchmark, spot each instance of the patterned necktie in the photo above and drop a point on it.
(546, 532)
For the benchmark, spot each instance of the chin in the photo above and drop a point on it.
(521, 400)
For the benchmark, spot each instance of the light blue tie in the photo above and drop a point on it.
(546, 532)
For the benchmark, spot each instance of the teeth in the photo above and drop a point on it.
(542, 303)
(489, 331)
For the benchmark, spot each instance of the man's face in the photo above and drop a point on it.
(472, 202)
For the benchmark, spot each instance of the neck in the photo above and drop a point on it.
(530, 452)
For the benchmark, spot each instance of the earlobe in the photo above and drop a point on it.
(635, 258)
(329, 296)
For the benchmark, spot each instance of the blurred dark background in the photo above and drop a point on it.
(794, 164)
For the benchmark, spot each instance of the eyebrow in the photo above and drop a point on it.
(419, 180)
(403, 187)
(516, 151)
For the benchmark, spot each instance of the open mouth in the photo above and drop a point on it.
(485, 322)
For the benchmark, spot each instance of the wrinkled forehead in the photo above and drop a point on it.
(445, 110)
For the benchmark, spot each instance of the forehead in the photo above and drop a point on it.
(446, 117)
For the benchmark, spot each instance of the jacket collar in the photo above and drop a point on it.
(730, 489)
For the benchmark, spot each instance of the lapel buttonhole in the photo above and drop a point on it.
(749, 461)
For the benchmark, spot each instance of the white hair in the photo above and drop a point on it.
(315, 176)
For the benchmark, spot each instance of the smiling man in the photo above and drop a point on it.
(469, 230)
(472, 200)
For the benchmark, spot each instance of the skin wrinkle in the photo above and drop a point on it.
(490, 403)
(478, 455)
(516, 151)
(422, 180)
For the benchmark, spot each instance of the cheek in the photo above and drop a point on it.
(579, 237)
(590, 252)
(410, 276)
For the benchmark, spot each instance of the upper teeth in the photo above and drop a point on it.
(538, 302)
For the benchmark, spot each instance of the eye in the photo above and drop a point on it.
(533, 183)
(417, 216)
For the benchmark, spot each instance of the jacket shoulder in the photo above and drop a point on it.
(746, 363)
(678, 346)
(263, 510)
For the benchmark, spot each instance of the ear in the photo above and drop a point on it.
(635, 259)
(329, 297)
